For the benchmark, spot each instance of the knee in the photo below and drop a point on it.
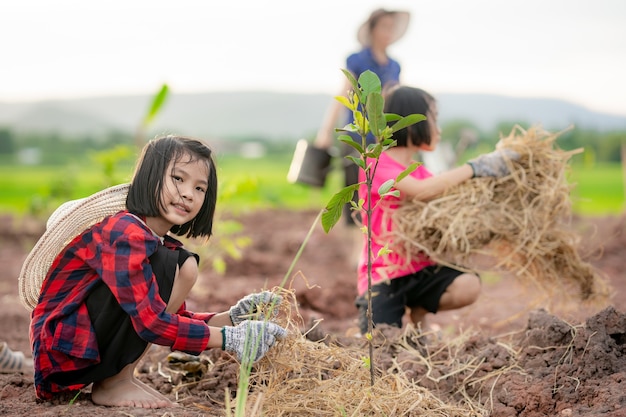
(468, 290)
(463, 291)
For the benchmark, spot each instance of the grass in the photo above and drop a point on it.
(258, 183)
(24, 188)
(263, 183)
(599, 190)
(243, 184)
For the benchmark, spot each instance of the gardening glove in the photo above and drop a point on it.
(251, 339)
(493, 164)
(249, 305)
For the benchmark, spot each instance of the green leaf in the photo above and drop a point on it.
(373, 150)
(348, 128)
(367, 362)
(356, 98)
(407, 121)
(350, 77)
(374, 107)
(385, 135)
(392, 117)
(344, 100)
(362, 123)
(350, 142)
(333, 209)
(388, 142)
(407, 171)
(157, 103)
(370, 83)
(386, 186)
(384, 251)
(357, 160)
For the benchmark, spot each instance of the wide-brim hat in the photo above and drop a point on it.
(66, 222)
(401, 22)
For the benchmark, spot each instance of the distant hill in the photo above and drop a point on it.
(275, 115)
(486, 110)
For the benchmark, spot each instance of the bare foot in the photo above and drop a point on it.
(128, 392)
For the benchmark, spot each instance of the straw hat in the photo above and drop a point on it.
(68, 221)
(402, 23)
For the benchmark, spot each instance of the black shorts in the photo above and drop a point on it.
(118, 342)
(390, 299)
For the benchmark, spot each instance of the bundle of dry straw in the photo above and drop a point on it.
(521, 222)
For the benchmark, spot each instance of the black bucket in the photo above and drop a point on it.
(309, 165)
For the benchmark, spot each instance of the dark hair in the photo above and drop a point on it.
(144, 195)
(403, 100)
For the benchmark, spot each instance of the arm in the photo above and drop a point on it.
(220, 320)
(215, 341)
(325, 134)
(493, 164)
(432, 187)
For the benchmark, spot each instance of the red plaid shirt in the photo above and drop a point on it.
(115, 251)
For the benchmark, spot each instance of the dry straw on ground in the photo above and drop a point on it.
(299, 377)
(443, 376)
(521, 223)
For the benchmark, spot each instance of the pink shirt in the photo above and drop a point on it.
(391, 265)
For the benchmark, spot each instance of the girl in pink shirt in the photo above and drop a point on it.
(420, 285)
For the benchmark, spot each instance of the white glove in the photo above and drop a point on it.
(251, 339)
(248, 305)
(493, 164)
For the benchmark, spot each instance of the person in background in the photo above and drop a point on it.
(382, 29)
(419, 285)
(121, 284)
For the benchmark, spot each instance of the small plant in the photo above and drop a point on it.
(110, 159)
(155, 107)
(367, 103)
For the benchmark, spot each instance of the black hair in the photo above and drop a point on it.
(403, 101)
(144, 195)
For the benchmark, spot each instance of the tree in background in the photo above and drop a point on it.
(7, 142)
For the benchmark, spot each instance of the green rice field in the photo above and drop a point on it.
(257, 183)
(598, 190)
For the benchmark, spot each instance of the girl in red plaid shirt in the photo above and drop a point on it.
(121, 285)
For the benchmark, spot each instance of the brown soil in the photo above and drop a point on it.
(507, 351)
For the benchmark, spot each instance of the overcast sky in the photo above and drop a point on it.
(567, 49)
